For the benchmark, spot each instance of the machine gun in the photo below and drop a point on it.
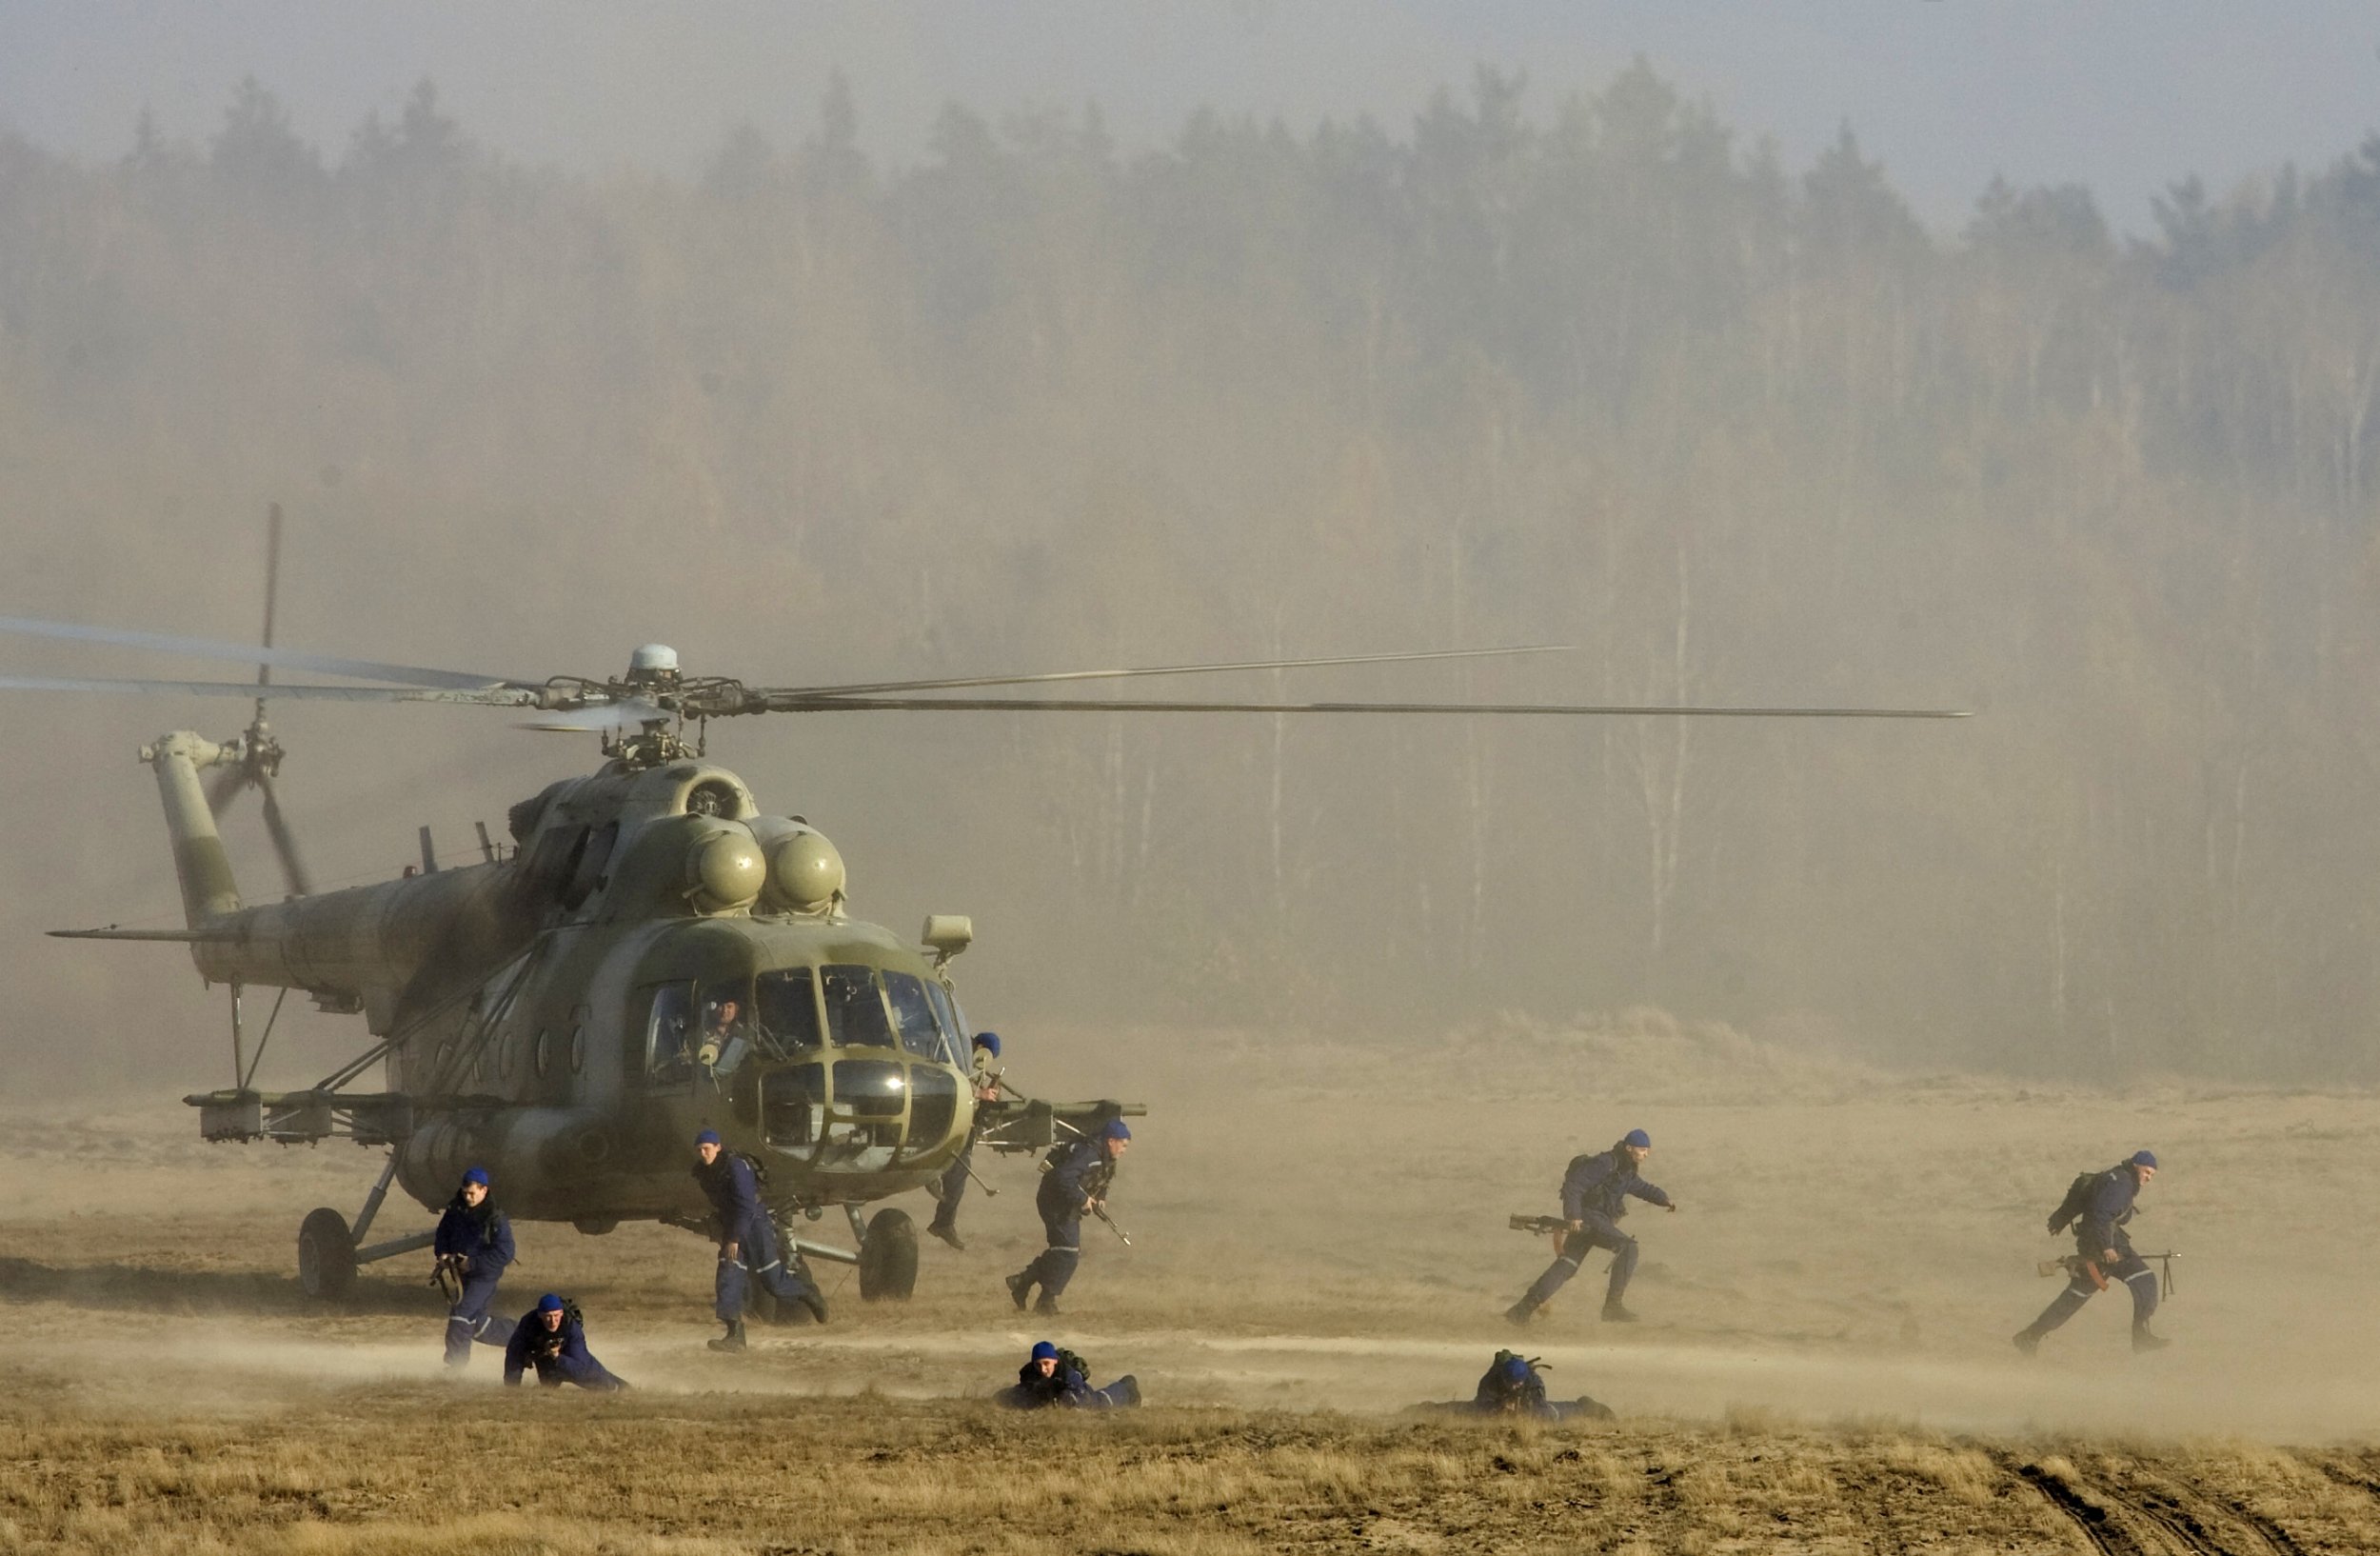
(2074, 1265)
(1541, 1225)
(1019, 1124)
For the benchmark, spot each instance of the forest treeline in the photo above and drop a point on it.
(1596, 373)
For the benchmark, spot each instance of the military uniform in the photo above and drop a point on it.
(734, 1191)
(1064, 1386)
(479, 1240)
(1066, 1190)
(2106, 1209)
(984, 1081)
(1596, 1191)
(558, 1354)
(1512, 1386)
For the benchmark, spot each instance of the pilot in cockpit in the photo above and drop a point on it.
(725, 1036)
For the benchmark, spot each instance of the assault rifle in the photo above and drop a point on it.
(1540, 1226)
(1101, 1211)
(447, 1274)
(2074, 1265)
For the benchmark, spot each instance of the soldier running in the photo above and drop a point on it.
(1594, 1195)
(551, 1337)
(2103, 1251)
(1077, 1186)
(473, 1245)
(953, 1187)
(747, 1241)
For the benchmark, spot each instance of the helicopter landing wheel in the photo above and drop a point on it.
(888, 1258)
(325, 1256)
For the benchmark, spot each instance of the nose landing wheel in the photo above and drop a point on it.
(325, 1256)
(888, 1258)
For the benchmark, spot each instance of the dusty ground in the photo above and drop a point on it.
(1320, 1235)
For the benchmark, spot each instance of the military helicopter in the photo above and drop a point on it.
(651, 953)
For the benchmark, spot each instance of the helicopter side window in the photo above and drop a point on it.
(954, 1043)
(727, 1035)
(855, 1012)
(669, 1034)
(788, 998)
(913, 1015)
(555, 860)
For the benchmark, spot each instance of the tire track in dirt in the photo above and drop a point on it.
(2126, 1510)
(2201, 1523)
(2341, 1475)
(2096, 1524)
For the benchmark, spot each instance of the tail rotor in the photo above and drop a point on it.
(259, 758)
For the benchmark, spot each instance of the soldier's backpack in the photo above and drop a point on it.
(1069, 1361)
(760, 1168)
(1511, 1382)
(2077, 1200)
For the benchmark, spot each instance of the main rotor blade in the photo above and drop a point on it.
(869, 687)
(487, 696)
(1021, 704)
(363, 669)
(272, 592)
(629, 714)
(284, 843)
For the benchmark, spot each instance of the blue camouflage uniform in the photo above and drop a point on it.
(559, 1356)
(1080, 1177)
(734, 1191)
(481, 1238)
(1595, 1193)
(2106, 1208)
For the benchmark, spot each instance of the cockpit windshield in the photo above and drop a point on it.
(855, 1012)
(913, 1015)
(788, 998)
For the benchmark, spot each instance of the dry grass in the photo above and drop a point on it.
(428, 1471)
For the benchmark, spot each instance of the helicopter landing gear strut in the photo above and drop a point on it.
(327, 1257)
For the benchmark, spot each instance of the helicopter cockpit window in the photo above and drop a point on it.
(669, 1034)
(727, 1037)
(913, 1015)
(788, 1008)
(855, 1013)
(955, 1043)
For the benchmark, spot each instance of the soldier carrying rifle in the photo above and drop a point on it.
(2097, 1206)
(1594, 1195)
(1076, 1185)
(473, 1245)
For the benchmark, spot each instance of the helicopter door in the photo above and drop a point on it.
(667, 1055)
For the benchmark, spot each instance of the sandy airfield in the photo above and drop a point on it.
(1320, 1241)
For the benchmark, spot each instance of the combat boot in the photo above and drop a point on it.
(1047, 1307)
(733, 1339)
(948, 1233)
(2029, 1341)
(1518, 1314)
(2145, 1340)
(1020, 1285)
(815, 1301)
(1615, 1313)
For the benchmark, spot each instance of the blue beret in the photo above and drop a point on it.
(2145, 1158)
(1045, 1351)
(708, 1137)
(476, 1175)
(1116, 1130)
(1639, 1139)
(550, 1303)
(988, 1040)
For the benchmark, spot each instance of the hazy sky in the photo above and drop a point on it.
(2123, 96)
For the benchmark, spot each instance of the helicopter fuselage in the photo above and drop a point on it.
(655, 957)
